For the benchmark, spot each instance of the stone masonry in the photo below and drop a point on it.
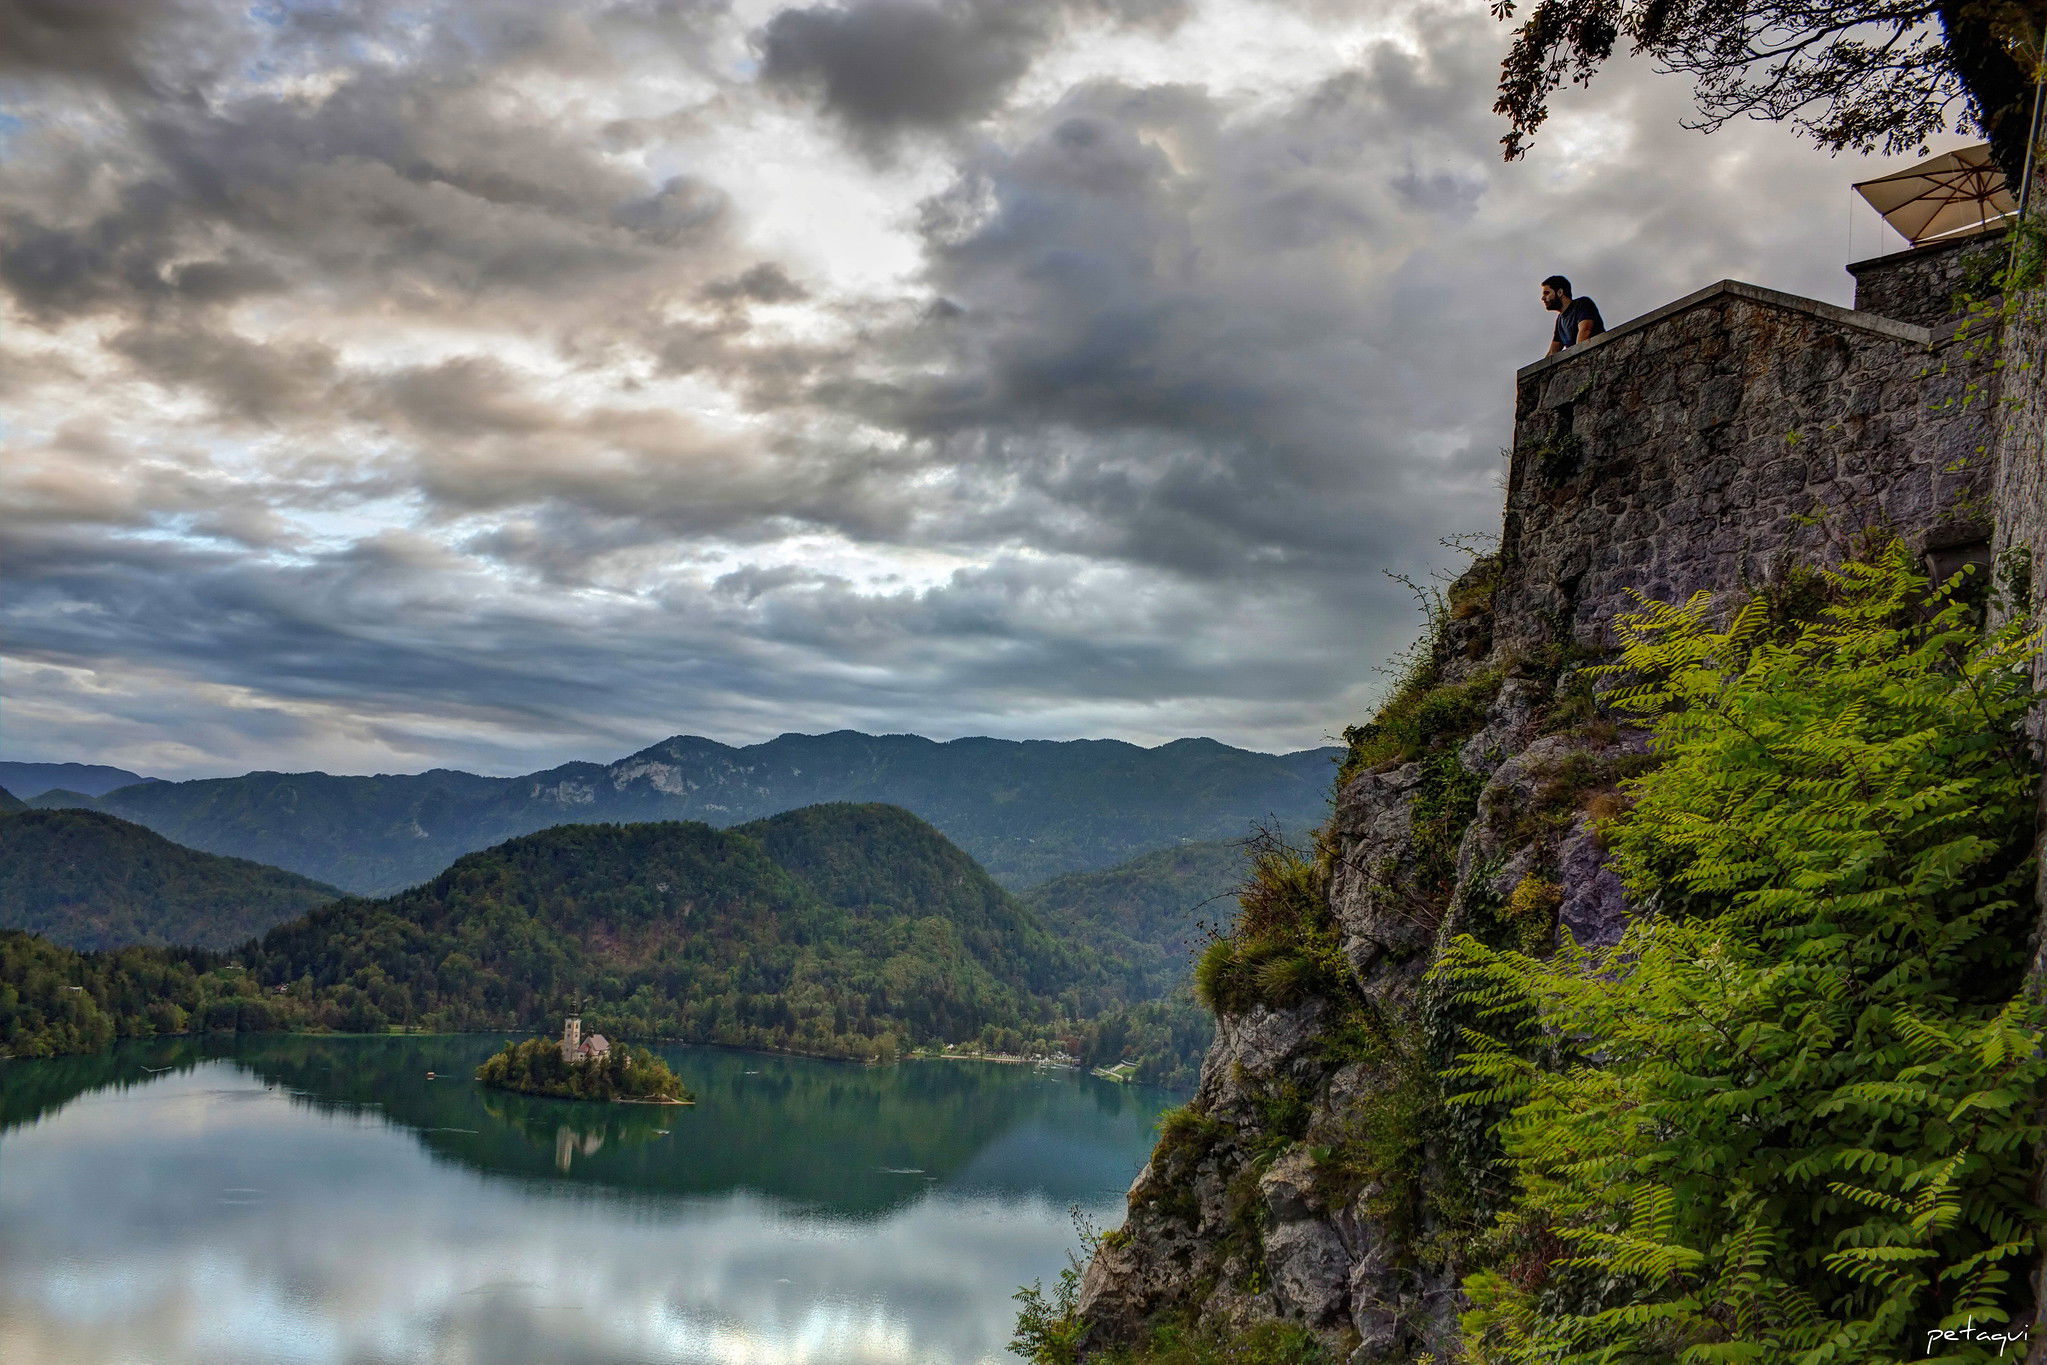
(2020, 549)
(1704, 445)
(2020, 497)
(1920, 285)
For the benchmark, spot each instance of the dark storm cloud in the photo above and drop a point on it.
(418, 177)
(889, 66)
(1172, 336)
(120, 42)
(382, 391)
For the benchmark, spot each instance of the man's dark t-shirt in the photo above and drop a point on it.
(1575, 312)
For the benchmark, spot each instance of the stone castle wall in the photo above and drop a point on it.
(2020, 549)
(1701, 447)
(2020, 495)
(1921, 286)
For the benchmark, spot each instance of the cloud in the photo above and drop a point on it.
(424, 166)
(1172, 332)
(490, 384)
(885, 67)
(245, 379)
(893, 64)
(122, 43)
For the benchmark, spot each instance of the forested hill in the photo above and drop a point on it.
(9, 802)
(1024, 810)
(878, 860)
(681, 930)
(1139, 923)
(88, 880)
(1146, 914)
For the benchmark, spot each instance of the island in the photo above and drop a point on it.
(579, 1067)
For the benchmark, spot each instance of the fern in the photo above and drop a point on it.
(1791, 1116)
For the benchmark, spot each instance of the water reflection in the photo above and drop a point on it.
(322, 1200)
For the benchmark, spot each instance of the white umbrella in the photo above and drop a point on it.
(1961, 191)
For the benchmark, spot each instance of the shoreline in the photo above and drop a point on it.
(1002, 1058)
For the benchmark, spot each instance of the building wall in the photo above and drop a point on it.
(1922, 285)
(2020, 544)
(1703, 446)
(2020, 550)
(2020, 498)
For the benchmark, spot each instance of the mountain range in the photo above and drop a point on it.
(87, 779)
(1025, 810)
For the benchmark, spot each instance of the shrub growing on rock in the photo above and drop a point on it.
(1791, 1117)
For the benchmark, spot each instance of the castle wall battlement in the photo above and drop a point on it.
(1702, 445)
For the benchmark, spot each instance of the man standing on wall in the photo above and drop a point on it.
(1577, 319)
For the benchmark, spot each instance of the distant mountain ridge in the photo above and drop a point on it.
(1147, 912)
(1026, 810)
(28, 780)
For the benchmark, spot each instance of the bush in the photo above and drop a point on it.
(1182, 1128)
(1048, 1333)
(1422, 715)
(1266, 1343)
(1048, 1327)
(1792, 1116)
(1283, 947)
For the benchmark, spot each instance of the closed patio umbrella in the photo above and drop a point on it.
(1944, 196)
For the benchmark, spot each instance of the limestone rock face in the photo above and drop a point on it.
(1384, 923)
(1238, 1224)
(1179, 1224)
(1306, 1257)
(1254, 1050)
(1691, 451)
(1595, 904)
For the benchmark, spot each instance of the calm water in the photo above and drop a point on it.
(320, 1200)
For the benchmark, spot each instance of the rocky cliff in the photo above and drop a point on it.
(1317, 1178)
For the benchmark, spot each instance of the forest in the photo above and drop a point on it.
(89, 880)
(850, 931)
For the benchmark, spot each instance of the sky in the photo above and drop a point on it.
(484, 384)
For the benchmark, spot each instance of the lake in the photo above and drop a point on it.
(279, 1198)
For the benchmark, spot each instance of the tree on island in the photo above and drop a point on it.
(1860, 74)
(537, 1067)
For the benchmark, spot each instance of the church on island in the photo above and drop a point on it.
(577, 1048)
